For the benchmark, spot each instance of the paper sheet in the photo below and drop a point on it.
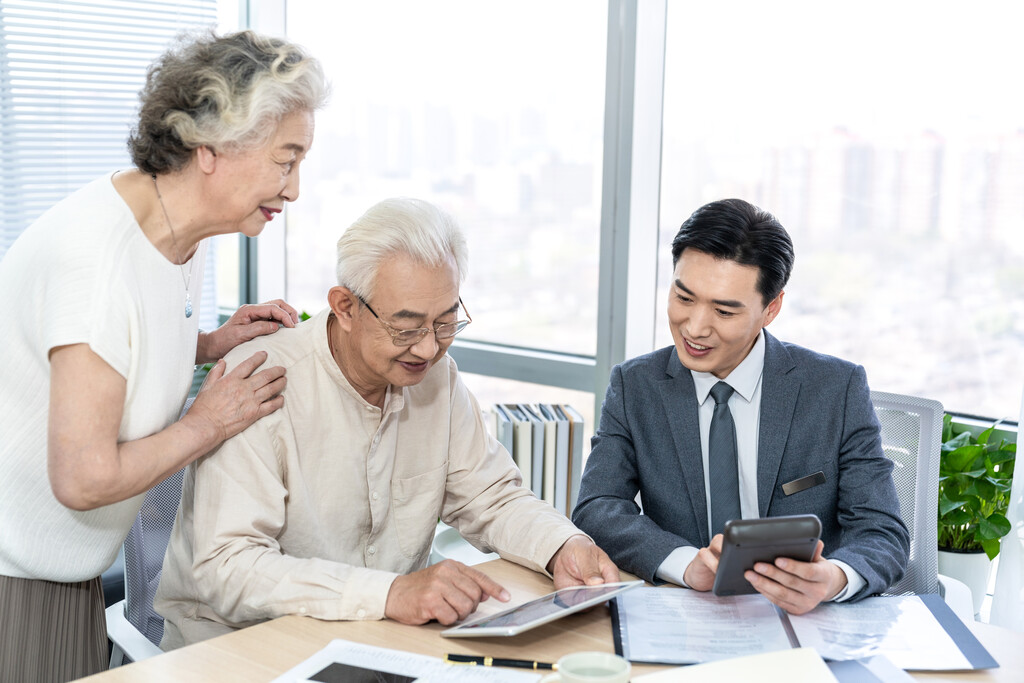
(683, 626)
(902, 629)
(877, 669)
(801, 665)
(345, 661)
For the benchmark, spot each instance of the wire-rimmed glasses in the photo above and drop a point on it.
(410, 337)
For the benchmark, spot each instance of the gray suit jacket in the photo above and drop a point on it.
(816, 415)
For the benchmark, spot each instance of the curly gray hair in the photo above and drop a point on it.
(220, 92)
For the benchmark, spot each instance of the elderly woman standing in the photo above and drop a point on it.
(102, 335)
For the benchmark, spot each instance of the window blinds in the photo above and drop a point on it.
(70, 73)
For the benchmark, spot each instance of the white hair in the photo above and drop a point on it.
(400, 225)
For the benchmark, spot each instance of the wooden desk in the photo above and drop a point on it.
(262, 652)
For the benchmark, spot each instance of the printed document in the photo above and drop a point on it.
(669, 625)
(343, 661)
(802, 665)
(904, 630)
(679, 626)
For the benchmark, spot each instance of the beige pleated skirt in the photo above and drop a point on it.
(51, 632)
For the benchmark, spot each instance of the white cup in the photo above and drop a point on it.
(590, 667)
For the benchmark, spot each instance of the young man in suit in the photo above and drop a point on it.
(795, 432)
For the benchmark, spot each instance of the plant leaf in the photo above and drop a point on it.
(1003, 486)
(993, 527)
(962, 459)
(958, 441)
(956, 517)
(946, 505)
(1001, 456)
(991, 548)
(982, 488)
(986, 435)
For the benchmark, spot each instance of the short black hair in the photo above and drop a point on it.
(736, 230)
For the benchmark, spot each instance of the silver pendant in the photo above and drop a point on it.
(188, 305)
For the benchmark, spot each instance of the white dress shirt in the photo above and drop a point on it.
(745, 406)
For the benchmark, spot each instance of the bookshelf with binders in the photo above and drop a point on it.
(546, 443)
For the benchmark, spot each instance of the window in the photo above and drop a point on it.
(69, 80)
(893, 151)
(889, 140)
(495, 113)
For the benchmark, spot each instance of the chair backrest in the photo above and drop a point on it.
(144, 549)
(911, 438)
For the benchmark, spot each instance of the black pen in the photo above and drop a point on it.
(474, 660)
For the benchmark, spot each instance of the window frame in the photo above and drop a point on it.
(628, 300)
(630, 199)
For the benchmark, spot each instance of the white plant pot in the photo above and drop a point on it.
(970, 568)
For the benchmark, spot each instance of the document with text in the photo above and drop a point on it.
(678, 626)
(670, 625)
(343, 661)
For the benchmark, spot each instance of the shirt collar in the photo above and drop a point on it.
(743, 379)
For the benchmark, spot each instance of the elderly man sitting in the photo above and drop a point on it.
(327, 507)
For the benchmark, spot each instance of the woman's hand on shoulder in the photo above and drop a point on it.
(228, 402)
(248, 322)
(89, 467)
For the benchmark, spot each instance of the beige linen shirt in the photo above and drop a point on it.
(316, 508)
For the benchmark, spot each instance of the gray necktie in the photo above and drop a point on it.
(723, 475)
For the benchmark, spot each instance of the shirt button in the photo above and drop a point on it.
(302, 610)
(375, 495)
(361, 613)
(371, 549)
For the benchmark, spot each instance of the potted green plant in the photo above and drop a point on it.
(975, 475)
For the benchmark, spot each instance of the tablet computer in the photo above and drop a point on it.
(747, 541)
(547, 608)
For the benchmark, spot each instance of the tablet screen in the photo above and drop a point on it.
(540, 610)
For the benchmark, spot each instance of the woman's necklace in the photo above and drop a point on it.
(177, 252)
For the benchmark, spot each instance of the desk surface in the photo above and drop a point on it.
(262, 652)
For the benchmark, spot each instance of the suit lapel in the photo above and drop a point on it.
(679, 399)
(778, 402)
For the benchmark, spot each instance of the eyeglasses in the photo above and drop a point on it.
(410, 337)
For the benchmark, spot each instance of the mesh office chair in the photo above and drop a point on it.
(912, 438)
(133, 627)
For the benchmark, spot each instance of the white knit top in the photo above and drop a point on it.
(84, 272)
